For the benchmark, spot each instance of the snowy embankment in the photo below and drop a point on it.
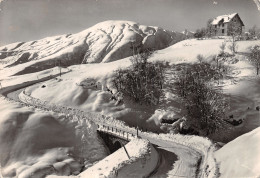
(143, 160)
(199, 144)
(202, 145)
(240, 157)
(60, 143)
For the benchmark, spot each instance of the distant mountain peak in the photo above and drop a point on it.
(104, 42)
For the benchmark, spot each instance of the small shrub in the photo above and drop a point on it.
(200, 58)
(223, 47)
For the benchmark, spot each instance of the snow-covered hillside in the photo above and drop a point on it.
(105, 42)
(33, 142)
(68, 92)
(103, 49)
(240, 157)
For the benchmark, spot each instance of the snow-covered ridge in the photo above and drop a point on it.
(105, 42)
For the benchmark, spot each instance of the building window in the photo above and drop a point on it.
(223, 31)
(223, 25)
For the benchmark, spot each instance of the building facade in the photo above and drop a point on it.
(225, 25)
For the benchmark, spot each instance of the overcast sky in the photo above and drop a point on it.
(25, 20)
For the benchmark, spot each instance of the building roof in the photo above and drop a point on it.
(225, 18)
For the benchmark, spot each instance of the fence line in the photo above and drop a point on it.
(104, 123)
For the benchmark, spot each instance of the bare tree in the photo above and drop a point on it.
(234, 30)
(204, 107)
(210, 30)
(222, 47)
(255, 57)
(142, 82)
(233, 47)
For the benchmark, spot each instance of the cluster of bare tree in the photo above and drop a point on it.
(207, 31)
(253, 33)
(204, 106)
(142, 82)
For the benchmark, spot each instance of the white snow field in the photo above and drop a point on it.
(34, 141)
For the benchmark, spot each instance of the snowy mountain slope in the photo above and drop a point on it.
(105, 42)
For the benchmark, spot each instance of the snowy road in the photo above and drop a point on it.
(177, 160)
(165, 163)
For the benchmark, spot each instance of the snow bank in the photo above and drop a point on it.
(76, 113)
(143, 159)
(61, 144)
(240, 157)
(199, 144)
